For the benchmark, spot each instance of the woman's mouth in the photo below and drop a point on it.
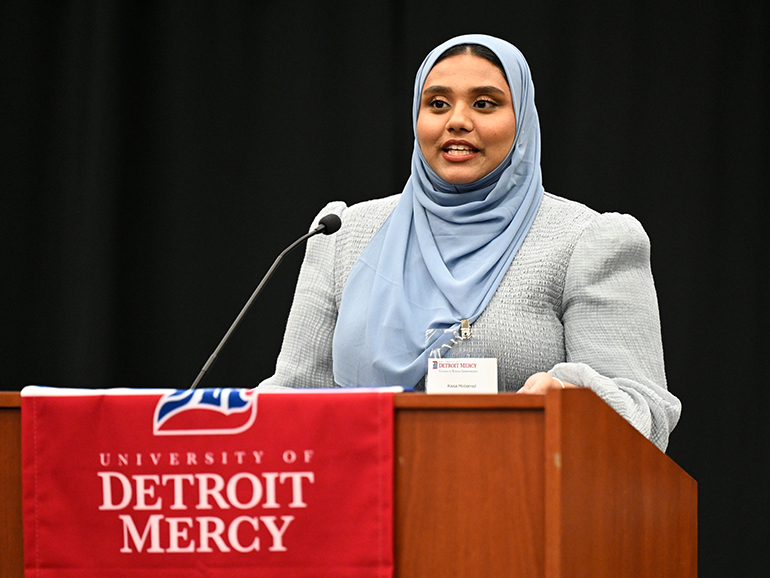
(459, 150)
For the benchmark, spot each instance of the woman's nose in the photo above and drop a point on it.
(460, 119)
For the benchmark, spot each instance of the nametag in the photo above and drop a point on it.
(462, 375)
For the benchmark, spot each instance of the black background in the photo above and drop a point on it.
(157, 157)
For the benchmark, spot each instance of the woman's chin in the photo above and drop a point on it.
(461, 177)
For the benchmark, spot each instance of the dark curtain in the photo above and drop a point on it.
(157, 157)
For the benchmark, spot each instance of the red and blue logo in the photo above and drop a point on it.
(221, 411)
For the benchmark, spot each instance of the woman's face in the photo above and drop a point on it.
(466, 124)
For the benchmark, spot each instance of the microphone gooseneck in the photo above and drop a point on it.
(328, 225)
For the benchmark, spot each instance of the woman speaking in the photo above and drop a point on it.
(473, 258)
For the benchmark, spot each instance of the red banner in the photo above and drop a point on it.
(215, 483)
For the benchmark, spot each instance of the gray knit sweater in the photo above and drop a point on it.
(578, 301)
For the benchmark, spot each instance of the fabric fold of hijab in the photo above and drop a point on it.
(443, 251)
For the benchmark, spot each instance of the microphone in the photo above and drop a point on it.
(328, 225)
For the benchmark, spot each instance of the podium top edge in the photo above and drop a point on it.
(10, 399)
(468, 401)
(410, 400)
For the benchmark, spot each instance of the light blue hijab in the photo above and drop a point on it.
(444, 249)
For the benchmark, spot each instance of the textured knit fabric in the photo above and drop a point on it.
(577, 301)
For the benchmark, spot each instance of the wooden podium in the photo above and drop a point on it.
(490, 486)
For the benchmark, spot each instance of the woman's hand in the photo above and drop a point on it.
(542, 382)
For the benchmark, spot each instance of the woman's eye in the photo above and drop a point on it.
(438, 104)
(484, 103)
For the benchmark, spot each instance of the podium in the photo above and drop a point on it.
(553, 486)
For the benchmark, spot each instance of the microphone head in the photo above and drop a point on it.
(331, 223)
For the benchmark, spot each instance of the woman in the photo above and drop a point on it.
(561, 295)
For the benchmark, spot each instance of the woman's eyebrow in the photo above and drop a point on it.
(487, 90)
(436, 89)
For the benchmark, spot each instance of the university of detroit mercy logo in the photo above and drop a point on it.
(205, 412)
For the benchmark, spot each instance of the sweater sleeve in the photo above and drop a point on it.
(612, 327)
(305, 359)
